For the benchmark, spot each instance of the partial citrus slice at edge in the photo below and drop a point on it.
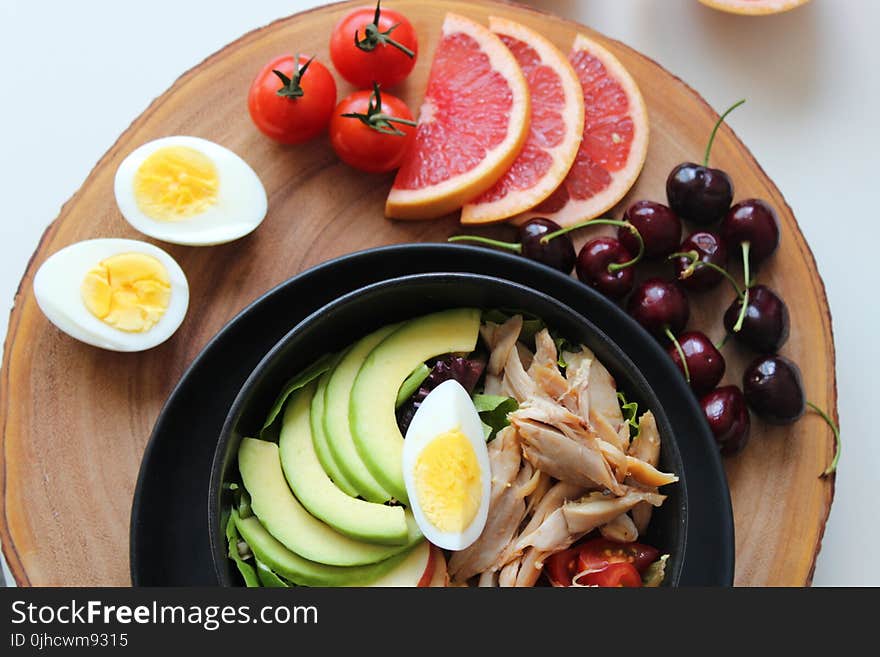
(754, 7)
(472, 124)
(614, 145)
(556, 127)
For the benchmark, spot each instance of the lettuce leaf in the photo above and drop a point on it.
(493, 410)
(531, 323)
(655, 573)
(247, 570)
(630, 414)
(411, 384)
(316, 369)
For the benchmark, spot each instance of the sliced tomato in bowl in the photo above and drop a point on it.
(595, 563)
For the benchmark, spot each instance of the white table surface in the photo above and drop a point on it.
(75, 74)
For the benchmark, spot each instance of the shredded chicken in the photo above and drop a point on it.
(501, 343)
(507, 508)
(577, 373)
(530, 568)
(488, 579)
(507, 575)
(545, 482)
(646, 447)
(575, 462)
(565, 466)
(575, 519)
(621, 529)
(545, 371)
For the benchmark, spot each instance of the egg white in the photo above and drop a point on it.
(57, 291)
(241, 198)
(446, 408)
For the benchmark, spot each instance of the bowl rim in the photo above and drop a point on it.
(217, 542)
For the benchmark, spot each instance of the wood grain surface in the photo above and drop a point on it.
(76, 419)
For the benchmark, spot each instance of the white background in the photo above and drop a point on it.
(73, 75)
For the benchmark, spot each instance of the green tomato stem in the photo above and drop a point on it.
(832, 467)
(715, 129)
(745, 295)
(684, 363)
(510, 246)
(373, 36)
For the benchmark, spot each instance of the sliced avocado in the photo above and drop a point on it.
(301, 571)
(289, 522)
(319, 438)
(371, 410)
(366, 521)
(336, 422)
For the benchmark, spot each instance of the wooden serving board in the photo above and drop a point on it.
(76, 419)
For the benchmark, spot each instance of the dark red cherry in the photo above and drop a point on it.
(557, 253)
(708, 248)
(765, 325)
(728, 418)
(773, 389)
(699, 194)
(593, 264)
(659, 305)
(755, 222)
(657, 224)
(705, 364)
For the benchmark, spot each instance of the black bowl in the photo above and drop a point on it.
(352, 316)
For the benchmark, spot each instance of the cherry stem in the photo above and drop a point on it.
(715, 129)
(510, 246)
(745, 295)
(695, 262)
(684, 363)
(614, 266)
(832, 467)
(722, 342)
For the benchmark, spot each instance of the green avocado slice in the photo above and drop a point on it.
(288, 521)
(365, 521)
(336, 421)
(301, 571)
(374, 393)
(319, 439)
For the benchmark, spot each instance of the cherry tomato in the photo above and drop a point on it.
(598, 553)
(292, 104)
(562, 567)
(613, 575)
(372, 131)
(370, 45)
(593, 557)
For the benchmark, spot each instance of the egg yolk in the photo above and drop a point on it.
(448, 482)
(129, 291)
(175, 182)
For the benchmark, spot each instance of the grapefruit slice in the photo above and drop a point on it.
(754, 7)
(614, 144)
(472, 124)
(555, 129)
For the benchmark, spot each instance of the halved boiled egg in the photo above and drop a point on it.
(191, 191)
(446, 468)
(121, 295)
